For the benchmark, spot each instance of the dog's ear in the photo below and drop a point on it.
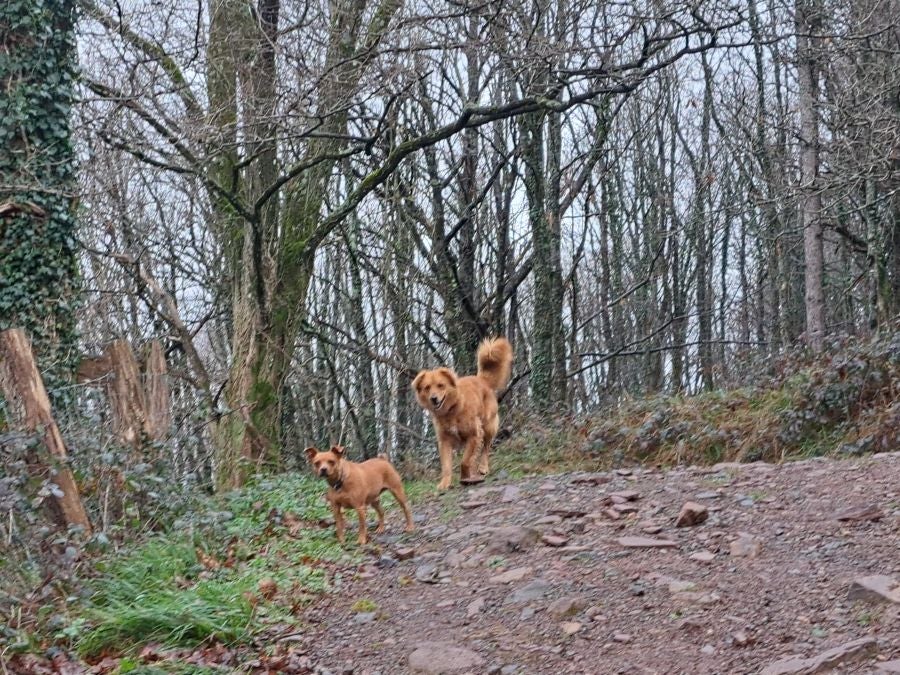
(311, 452)
(449, 375)
(418, 379)
(338, 450)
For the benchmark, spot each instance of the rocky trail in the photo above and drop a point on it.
(728, 569)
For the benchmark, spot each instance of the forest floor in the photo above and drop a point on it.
(589, 573)
(556, 574)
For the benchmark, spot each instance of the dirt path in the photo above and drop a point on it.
(765, 577)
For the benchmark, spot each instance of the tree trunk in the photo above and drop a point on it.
(23, 389)
(367, 423)
(807, 19)
(39, 274)
(542, 363)
(275, 256)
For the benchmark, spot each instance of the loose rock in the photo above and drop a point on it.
(535, 590)
(875, 588)
(691, 514)
(440, 658)
(475, 607)
(645, 542)
(860, 513)
(512, 539)
(826, 661)
(703, 556)
(568, 606)
(509, 576)
(745, 546)
(554, 540)
(570, 627)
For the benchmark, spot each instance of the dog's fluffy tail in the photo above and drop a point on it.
(495, 362)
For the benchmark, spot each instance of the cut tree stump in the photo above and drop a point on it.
(157, 416)
(23, 389)
(139, 403)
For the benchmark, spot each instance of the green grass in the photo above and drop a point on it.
(364, 605)
(162, 591)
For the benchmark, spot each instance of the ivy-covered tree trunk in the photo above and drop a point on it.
(38, 264)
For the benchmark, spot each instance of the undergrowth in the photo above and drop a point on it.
(247, 564)
(844, 402)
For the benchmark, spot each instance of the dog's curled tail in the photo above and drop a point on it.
(495, 362)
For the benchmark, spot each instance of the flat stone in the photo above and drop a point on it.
(427, 573)
(645, 542)
(442, 658)
(554, 540)
(405, 553)
(622, 637)
(568, 512)
(824, 662)
(627, 495)
(681, 586)
(889, 666)
(612, 514)
(625, 509)
(875, 588)
(570, 627)
(703, 556)
(563, 607)
(510, 494)
(534, 590)
(691, 514)
(512, 539)
(741, 639)
(591, 479)
(745, 546)
(512, 575)
(475, 607)
(474, 504)
(860, 513)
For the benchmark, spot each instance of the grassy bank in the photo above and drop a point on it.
(843, 403)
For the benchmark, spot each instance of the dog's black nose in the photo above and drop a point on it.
(435, 399)
(323, 472)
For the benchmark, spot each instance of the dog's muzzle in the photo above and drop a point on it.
(323, 472)
(437, 402)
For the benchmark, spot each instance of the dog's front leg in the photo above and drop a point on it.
(338, 522)
(363, 531)
(445, 450)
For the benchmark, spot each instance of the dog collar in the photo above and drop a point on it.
(339, 483)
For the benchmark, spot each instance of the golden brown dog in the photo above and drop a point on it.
(357, 486)
(464, 409)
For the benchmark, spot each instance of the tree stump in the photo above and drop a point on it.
(23, 389)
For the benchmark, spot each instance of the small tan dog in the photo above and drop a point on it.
(357, 486)
(464, 409)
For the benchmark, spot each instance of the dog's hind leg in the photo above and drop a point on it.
(380, 511)
(473, 445)
(396, 488)
(490, 431)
